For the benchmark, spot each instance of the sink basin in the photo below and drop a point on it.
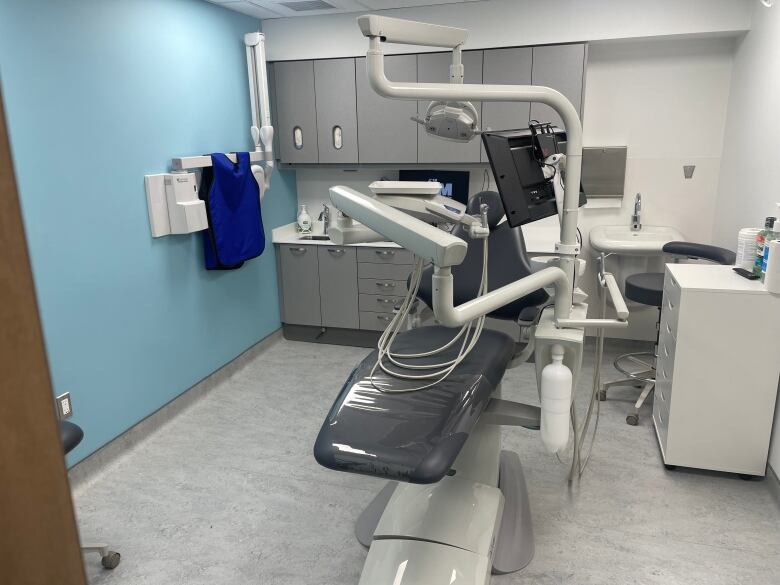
(318, 238)
(648, 241)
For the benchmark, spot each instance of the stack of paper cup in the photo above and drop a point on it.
(746, 248)
(772, 276)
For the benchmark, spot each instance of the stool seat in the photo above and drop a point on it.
(71, 435)
(646, 288)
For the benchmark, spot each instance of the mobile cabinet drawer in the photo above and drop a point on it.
(385, 255)
(661, 421)
(670, 309)
(384, 271)
(379, 303)
(373, 286)
(374, 321)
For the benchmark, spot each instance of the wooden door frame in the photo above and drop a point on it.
(38, 537)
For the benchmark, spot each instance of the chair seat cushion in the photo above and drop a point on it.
(412, 436)
(71, 435)
(646, 288)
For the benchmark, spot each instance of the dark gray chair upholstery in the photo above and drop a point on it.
(71, 435)
(507, 262)
(648, 287)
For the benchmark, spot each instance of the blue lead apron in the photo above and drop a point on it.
(232, 197)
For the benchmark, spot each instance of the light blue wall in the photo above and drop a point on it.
(99, 93)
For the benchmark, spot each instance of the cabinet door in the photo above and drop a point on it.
(386, 133)
(334, 81)
(300, 285)
(435, 68)
(296, 114)
(338, 287)
(561, 67)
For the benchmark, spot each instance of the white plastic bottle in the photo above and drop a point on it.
(304, 221)
(556, 402)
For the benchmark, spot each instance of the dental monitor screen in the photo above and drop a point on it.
(525, 192)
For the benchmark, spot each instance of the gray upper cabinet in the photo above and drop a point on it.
(435, 68)
(561, 67)
(296, 122)
(386, 133)
(339, 287)
(510, 67)
(334, 82)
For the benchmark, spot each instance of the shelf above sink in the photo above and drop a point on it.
(618, 239)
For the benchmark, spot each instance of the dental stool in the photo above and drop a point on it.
(444, 439)
(648, 289)
(71, 435)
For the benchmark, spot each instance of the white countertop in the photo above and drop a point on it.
(538, 239)
(714, 277)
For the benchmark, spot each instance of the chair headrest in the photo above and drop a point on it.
(493, 201)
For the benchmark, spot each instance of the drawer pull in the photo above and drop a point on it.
(668, 329)
(336, 250)
(384, 318)
(385, 301)
(386, 284)
(385, 252)
(301, 250)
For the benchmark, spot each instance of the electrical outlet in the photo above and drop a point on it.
(64, 406)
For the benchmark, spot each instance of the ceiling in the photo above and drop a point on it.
(265, 9)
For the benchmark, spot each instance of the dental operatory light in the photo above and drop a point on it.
(457, 121)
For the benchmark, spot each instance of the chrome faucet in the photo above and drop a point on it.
(325, 218)
(636, 218)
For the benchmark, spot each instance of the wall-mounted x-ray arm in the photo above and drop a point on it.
(262, 131)
(382, 29)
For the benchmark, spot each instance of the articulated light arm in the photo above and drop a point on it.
(379, 29)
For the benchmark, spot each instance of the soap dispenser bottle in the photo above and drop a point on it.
(304, 221)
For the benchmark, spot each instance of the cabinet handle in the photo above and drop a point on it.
(298, 138)
(384, 318)
(336, 250)
(385, 252)
(385, 301)
(301, 250)
(386, 284)
(338, 138)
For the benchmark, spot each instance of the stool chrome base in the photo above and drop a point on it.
(643, 378)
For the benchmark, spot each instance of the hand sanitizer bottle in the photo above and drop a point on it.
(304, 221)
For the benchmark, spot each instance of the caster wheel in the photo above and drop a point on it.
(602, 395)
(111, 560)
(670, 467)
(632, 419)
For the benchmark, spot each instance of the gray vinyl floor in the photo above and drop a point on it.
(228, 493)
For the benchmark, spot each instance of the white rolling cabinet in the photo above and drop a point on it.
(717, 371)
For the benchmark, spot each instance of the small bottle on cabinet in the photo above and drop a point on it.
(760, 239)
(304, 221)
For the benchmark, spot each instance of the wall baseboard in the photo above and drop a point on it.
(86, 469)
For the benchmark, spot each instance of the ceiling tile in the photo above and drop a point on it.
(252, 9)
(387, 4)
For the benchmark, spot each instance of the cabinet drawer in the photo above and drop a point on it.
(384, 271)
(374, 321)
(670, 309)
(379, 303)
(300, 284)
(373, 286)
(661, 422)
(385, 255)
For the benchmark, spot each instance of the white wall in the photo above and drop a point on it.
(506, 23)
(750, 171)
(665, 100)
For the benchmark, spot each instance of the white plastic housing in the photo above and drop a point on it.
(397, 30)
(174, 207)
(556, 391)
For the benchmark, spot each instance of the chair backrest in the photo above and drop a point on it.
(507, 262)
(700, 252)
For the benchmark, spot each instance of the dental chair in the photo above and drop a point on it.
(441, 437)
(456, 507)
(647, 288)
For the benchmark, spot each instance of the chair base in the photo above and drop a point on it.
(643, 378)
(108, 558)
